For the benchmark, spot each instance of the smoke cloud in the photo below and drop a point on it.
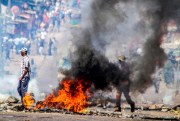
(9, 84)
(89, 62)
(107, 30)
(153, 54)
(120, 27)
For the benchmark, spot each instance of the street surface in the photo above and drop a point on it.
(19, 116)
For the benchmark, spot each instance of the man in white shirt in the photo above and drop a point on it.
(43, 34)
(25, 74)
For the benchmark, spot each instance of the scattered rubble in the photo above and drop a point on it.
(1, 101)
(12, 99)
(176, 111)
(4, 106)
(11, 105)
(165, 109)
(156, 107)
(160, 118)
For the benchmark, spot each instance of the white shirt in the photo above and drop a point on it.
(43, 35)
(25, 64)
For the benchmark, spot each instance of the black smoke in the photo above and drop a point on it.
(170, 10)
(92, 66)
(154, 55)
(89, 61)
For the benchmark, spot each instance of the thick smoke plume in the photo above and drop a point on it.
(102, 27)
(153, 53)
(93, 66)
(114, 27)
(90, 63)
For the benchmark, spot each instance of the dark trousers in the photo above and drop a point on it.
(123, 88)
(23, 86)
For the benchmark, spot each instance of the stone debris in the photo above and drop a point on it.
(165, 109)
(92, 111)
(11, 105)
(156, 107)
(153, 107)
(9, 111)
(177, 107)
(160, 118)
(105, 113)
(176, 110)
(1, 101)
(12, 99)
(4, 106)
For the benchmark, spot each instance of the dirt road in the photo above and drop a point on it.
(19, 116)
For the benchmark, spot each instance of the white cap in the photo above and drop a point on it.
(23, 50)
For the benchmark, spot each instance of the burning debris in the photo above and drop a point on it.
(89, 60)
(71, 96)
(28, 100)
(92, 69)
(146, 113)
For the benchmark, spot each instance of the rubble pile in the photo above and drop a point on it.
(176, 111)
(143, 111)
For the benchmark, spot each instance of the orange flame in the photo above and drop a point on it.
(28, 101)
(71, 96)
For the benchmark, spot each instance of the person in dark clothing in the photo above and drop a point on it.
(57, 21)
(169, 69)
(156, 77)
(172, 58)
(41, 46)
(63, 16)
(7, 47)
(124, 85)
(168, 73)
(50, 47)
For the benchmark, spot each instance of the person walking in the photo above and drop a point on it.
(124, 85)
